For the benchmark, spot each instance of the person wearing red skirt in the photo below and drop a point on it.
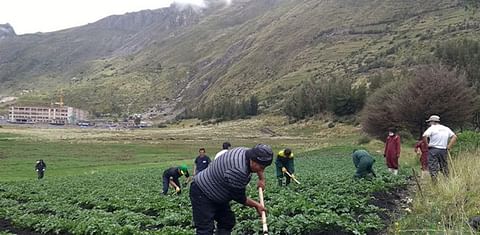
(421, 148)
(392, 151)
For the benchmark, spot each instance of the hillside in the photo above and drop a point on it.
(174, 57)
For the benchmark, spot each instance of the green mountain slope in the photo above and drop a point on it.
(177, 57)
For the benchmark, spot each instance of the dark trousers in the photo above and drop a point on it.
(166, 184)
(206, 212)
(437, 161)
(40, 174)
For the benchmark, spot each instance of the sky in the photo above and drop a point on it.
(32, 16)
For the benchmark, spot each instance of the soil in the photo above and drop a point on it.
(6, 226)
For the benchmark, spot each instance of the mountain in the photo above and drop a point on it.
(160, 61)
(6, 31)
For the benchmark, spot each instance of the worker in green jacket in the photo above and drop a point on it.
(284, 164)
(364, 163)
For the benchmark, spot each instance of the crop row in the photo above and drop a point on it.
(328, 199)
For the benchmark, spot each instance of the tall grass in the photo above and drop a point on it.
(446, 207)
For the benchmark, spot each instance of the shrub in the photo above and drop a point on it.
(432, 90)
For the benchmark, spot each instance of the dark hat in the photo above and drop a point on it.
(287, 151)
(261, 154)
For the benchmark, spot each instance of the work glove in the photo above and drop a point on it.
(284, 170)
(177, 189)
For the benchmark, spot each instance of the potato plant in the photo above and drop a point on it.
(130, 202)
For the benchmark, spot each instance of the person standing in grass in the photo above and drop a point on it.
(363, 163)
(171, 176)
(421, 148)
(40, 168)
(392, 151)
(441, 140)
(225, 180)
(225, 147)
(201, 162)
(284, 163)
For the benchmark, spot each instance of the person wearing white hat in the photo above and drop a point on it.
(441, 139)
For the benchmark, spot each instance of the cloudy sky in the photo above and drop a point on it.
(31, 16)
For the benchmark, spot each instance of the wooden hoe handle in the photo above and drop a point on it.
(264, 216)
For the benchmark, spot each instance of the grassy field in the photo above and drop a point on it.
(102, 162)
(83, 151)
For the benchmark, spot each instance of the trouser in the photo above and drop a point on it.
(365, 167)
(290, 168)
(437, 161)
(206, 212)
(40, 173)
(166, 184)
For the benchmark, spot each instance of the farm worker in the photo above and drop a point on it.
(392, 151)
(364, 163)
(284, 164)
(40, 167)
(438, 146)
(421, 148)
(201, 162)
(225, 147)
(171, 175)
(225, 180)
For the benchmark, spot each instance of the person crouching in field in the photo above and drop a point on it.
(421, 148)
(170, 178)
(225, 180)
(392, 151)
(363, 163)
(40, 167)
(284, 164)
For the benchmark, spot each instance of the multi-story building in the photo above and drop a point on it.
(54, 115)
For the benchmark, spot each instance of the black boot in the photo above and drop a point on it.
(287, 181)
(280, 182)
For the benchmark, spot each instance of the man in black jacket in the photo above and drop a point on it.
(40, 167)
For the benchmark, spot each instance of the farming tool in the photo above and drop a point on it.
(264, 215)
(293, 177)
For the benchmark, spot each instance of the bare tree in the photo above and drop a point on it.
(432, 90)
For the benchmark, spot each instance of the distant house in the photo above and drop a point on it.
(60, 115)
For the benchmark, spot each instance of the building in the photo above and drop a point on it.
(59, 115)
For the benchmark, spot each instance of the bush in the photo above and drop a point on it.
(336, 95)
(364, 139)
(432, 90)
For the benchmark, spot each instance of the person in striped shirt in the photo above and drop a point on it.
(226, 180)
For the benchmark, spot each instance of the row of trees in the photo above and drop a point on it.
(227, 108)
(336, 95)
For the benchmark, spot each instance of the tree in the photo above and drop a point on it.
(137, 119)
(432, 90)
(379, 112)
(435, 90)
(253, 106)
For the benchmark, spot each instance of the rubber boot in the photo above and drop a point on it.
(287, 181)
(395, 172)
(280, 182)
(390, 170)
